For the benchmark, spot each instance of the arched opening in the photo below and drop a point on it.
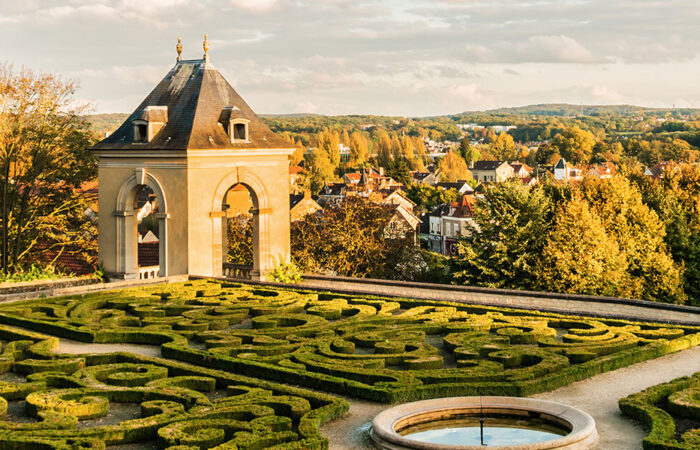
(148, 231)
(141, 216)
(240, 232)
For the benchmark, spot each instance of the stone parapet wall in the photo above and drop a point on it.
(541, 301)
(76, 287)
(42, 285)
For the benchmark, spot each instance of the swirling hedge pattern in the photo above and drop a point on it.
(670, 412)
(53, 401)
(381, 349)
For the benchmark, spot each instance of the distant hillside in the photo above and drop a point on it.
(564, 109)
(106, 123)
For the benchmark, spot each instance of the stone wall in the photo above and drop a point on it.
(73, 286)
(541, 301)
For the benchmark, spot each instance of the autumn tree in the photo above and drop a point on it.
(329, 143)
(676, 200)
(503, 148)
(384, 155)
(240, 240)
(575, 144)
(580, 257)
(452, 168)
(44, 161)
(640, 235)
(351, 239)
(359, 152)
(319, 169)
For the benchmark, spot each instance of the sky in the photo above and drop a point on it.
(388, 57)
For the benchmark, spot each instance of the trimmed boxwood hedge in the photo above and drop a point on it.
(657, 407)
(386, 350)
(173, 398)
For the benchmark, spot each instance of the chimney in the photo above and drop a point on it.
(307, 194)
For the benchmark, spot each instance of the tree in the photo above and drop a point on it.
(503, 148)
(399, 170)
(359, 153)
(44, 160)
(350, 239)
(452, 168)
(640, 235)
(468, 152)
(547, 154)
(298, 155)
(320, 170)
(580, 257)
(676, 200)
(508, 236)
(329, 143)
(384, 155)
(240, 240)
(428, 197)
(575, 144)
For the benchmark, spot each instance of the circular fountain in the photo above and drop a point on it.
(478, 422)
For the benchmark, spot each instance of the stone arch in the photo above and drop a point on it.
(262, 261)
(126, 239)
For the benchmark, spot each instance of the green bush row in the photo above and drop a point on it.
(646, 408)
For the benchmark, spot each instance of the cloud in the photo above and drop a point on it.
(258, 6)
(560, 48)
(416, 57)
(539, 48)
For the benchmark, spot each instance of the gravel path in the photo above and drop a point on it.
(77, 347)
(597, 396)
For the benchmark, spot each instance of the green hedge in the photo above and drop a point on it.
(656, 407)
(379, 349)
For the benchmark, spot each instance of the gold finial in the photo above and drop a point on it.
(178, 47)
(206, 46)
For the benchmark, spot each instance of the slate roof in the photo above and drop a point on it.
(197, 97)
(487, 165)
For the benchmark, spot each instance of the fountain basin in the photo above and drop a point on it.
(509, 423)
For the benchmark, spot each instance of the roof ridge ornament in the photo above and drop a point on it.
(178, 47)
(205, 45)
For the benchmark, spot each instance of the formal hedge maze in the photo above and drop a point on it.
(50, 401)
(671, 413)
(385, 350)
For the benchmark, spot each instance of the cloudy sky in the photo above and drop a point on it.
(399, 57)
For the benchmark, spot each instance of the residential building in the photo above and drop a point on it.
(446, 224)
(302, 205)
(460, 186)
(425, 177)
(521, 170)
(491, 171)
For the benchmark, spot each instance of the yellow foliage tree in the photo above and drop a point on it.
(452, 167)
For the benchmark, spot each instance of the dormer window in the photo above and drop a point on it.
(240, 132)
(235, 125)
(140, 131)
(147, 125)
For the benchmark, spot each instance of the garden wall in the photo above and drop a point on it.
(10, 292)
(541, 301)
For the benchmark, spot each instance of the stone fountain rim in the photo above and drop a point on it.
(583, 434)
